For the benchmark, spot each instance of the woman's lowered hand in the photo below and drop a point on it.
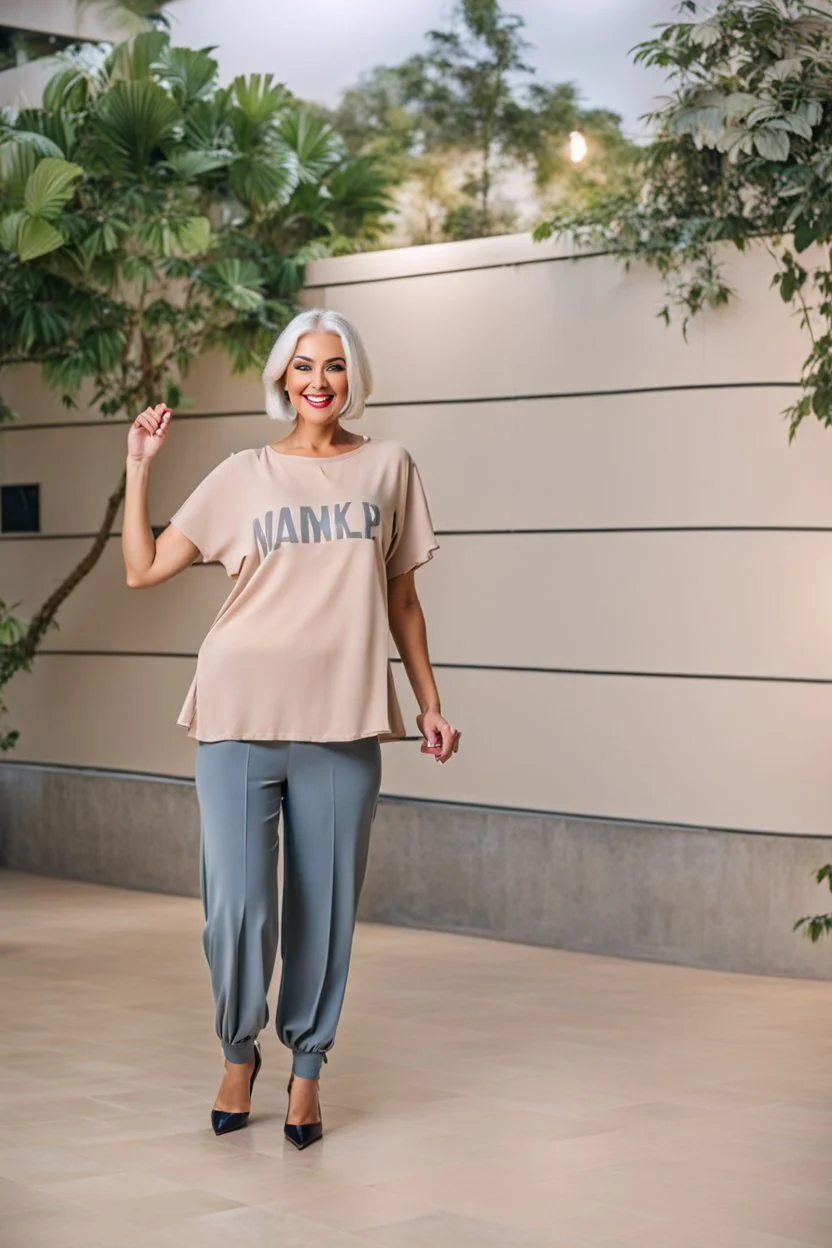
(441, 738)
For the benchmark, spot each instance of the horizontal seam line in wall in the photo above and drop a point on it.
(574, 257)
(628, 820)
(104, 421)
(486, 667)
(468, 268)
(565, 532)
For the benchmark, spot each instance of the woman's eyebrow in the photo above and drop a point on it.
(311, 361)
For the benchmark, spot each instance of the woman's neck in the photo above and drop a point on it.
(306, 437)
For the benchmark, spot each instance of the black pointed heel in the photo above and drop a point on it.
(305, 1133)
(223, 1120)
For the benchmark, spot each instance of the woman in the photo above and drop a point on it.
(293, 693)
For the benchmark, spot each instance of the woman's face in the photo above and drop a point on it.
(317, 377)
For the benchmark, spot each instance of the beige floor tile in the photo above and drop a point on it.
(36, 1166)
(806, 1222)
(126, 1185)
(696, 1234)
(253, 1226)
(48, 1225)
(164, 1211)
(450, 1230)
(625, 1103)
(17, 1198)
(356, 1207)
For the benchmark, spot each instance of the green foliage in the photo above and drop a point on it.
(742, 154)
(814, 926)
(12, 633)
(145, 211)
(50, 185)
(37, 191)
(129, 123)
(148, 214)
(453, 119)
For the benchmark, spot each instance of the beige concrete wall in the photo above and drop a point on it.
(57, 17)
(22, 87)
(631, 609)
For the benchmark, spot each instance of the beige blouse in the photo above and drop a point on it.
(299, 649)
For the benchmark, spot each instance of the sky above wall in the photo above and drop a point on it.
(319, 47)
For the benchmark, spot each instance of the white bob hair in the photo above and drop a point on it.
(359, 374)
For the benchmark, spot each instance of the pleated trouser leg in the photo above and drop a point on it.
(328, 810)
(328, 792)
(239, 788)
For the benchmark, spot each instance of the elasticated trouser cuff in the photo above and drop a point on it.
(307, 1065)
(240, 1053)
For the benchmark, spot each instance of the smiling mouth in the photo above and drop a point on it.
(319, 400)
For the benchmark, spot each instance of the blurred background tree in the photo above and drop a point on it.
(147, 215)
(742, 154)
(476, 146)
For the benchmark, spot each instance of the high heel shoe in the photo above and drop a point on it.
(305, 1133)
(224, 1120)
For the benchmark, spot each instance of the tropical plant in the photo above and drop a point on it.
(742, 154)
(148, 214)
(452, 120)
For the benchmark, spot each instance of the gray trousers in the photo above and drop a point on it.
(328, 792)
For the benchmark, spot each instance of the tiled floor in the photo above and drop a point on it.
(478, 1094)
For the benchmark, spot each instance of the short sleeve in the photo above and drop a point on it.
(208, 517)
(414, 540)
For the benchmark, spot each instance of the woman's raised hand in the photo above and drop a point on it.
(148, 433)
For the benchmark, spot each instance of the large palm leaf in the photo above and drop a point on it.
(132, 60)
(207, 126)
(130, 123)
(314, 146)
(263, 180)
(359, 196)
(31, 231)
(259, 97)
(17, 164)
(189, 73)
(83, 76)
(51, 134)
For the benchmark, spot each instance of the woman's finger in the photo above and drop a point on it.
(454, 742)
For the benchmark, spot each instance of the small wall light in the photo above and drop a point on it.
(577, 147)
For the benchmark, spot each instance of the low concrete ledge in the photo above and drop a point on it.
(724, 900)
